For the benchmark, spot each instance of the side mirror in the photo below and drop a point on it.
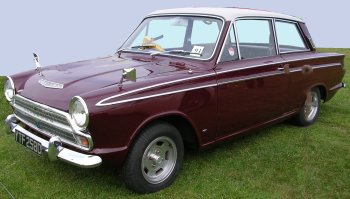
(128, 74)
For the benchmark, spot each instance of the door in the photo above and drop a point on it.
(294, 50)
(252, 85)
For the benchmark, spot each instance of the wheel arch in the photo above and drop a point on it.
(180, 121)
(323, 90)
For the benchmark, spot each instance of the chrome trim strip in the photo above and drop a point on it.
(250, 78)
(100, 103)
(223, 45)
(69, 119)
(237, 41)
(326, 65)
(295, 70)
(281, 62)
(155, 95)
(277, 73)
(294, 51)
(299, 69)
(275, 36)
(180, 14)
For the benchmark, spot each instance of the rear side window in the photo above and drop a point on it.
(289, 38)
(255, 38)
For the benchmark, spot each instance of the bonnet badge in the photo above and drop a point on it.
(49, 84)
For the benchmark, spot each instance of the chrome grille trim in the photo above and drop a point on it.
(49, 121)
(45, 128)
(53, 122)
(41, 112)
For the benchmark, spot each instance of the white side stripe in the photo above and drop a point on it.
(155, 95)
(104, 103)
(152, 86)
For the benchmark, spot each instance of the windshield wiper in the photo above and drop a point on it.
(183, 52)
(144, 46)
(177, 52)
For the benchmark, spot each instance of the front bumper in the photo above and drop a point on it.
(54, 148)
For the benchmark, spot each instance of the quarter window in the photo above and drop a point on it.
(289, 38)
(256, 38)
(229, 51)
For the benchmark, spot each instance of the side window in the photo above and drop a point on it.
(289, 38)
(229, 51)
(256, 38)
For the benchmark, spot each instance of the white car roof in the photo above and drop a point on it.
(227, 13)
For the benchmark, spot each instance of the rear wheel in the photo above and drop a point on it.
(309, 112)
(155, 159)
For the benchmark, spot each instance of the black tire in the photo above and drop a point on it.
(308, 116)
(152, 149)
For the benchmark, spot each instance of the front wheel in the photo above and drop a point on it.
(155, 159)
(309, 112)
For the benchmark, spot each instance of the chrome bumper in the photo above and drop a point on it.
(338, 86)
(54, 148)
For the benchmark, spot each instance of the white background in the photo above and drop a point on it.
(66, 31)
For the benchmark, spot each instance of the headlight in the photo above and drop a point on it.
(9, 89)
(79, 113)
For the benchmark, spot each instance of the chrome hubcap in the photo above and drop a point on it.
(311, 106)
(158, 160)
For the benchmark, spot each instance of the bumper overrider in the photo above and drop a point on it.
(54, 149)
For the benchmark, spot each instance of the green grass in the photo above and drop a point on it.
(282, 161)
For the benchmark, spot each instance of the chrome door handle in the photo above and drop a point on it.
(284, 68)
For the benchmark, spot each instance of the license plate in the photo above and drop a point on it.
(28, 142)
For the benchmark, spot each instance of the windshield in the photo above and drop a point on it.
(185, 36)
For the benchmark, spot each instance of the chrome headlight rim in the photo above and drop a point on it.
(75, 125)
(9, 79)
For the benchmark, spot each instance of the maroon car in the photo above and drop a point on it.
(191, 77)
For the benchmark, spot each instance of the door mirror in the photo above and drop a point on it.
(128, 74)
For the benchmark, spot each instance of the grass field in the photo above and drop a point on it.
(282, 161)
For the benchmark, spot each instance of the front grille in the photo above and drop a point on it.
(44, 119)
(40, 111)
